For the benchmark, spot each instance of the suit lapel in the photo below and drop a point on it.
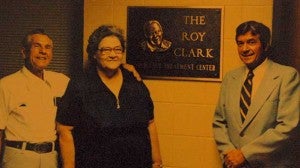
(263, 92)
(236, 86)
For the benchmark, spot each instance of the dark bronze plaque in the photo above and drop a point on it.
(175, 43)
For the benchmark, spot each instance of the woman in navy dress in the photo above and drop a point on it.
(106, 116)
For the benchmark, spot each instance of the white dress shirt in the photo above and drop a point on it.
(28, 107)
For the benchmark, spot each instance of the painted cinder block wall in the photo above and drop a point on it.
(184, 109)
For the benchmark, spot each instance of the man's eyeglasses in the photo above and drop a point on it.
(108, 50)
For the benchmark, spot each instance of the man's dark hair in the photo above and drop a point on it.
(255, 28)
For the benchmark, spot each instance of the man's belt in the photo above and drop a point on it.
(44, 147)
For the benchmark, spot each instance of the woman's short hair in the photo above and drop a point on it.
(98, 35)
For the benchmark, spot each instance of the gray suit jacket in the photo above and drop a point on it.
(266, 138)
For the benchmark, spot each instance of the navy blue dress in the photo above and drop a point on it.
(108, 132)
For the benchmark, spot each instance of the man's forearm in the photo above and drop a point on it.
(67, 152)
(66, 144)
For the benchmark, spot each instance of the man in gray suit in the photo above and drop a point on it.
(255, 122)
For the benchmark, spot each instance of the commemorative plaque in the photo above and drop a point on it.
(175, 43)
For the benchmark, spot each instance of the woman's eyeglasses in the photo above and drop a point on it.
(108, 50)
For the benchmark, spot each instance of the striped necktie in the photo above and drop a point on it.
(245, 99)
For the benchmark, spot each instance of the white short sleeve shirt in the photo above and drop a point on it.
(28, 106)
